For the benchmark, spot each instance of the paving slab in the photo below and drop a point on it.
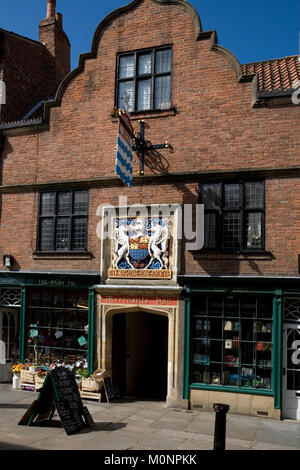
(140, 425)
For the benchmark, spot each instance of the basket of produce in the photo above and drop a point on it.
(94, 383)
(40, 378)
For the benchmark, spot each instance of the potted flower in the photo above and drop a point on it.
(16, 369)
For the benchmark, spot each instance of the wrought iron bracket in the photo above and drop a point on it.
(141, 146)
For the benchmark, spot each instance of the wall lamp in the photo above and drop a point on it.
(7, 261)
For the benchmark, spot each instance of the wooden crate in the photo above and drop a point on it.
(39, 380)
(27, 377)
(91, 395)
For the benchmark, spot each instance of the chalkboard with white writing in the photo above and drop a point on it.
(108, 388)
(59, 391)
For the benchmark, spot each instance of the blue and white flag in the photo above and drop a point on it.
(124, 155)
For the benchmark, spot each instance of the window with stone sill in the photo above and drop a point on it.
(63, 221)
(232, 341)
(144, 80)
(234, 215)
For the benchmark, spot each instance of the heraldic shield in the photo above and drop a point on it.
(139, 248)
(140, 245)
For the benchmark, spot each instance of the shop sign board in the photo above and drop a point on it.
(139, 300)
(59, 391)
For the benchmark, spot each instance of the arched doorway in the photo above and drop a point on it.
(140, 354)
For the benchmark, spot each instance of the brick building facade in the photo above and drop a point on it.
(220, 324)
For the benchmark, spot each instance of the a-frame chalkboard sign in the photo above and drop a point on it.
(59, 391)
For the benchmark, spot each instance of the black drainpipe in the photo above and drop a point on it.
(2, 142)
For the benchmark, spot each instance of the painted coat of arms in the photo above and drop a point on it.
(141, 248)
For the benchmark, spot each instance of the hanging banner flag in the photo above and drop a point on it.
(124, 155)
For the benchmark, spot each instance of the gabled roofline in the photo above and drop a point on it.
(199, 35)
(97, 37)
(23, 38)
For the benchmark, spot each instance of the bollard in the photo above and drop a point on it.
(220, 426)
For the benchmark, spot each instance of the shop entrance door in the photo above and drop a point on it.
(140, 354)
(291, 371)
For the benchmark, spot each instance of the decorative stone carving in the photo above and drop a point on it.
(141, 244)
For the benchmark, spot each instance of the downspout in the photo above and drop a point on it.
(2, 143)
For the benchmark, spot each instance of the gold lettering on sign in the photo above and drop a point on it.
(135, 300)
(140, 273)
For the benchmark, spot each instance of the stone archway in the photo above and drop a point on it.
(105, 347)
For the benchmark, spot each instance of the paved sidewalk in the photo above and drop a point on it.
(140, 425)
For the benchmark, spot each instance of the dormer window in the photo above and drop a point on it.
(144, 80)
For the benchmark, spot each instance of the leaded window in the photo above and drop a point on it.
(234, 215)
(57, 327)
(144, 80)
(63, 221)
(232, 341)
(291, 309)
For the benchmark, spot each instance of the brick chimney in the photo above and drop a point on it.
(55, 39)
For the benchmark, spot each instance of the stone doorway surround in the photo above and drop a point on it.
(150, 299)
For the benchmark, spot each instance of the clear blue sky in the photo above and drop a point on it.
(253, 30)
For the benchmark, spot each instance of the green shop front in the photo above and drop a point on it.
(242, 344)
(46, 319)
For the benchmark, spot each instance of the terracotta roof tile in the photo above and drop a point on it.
(276, 74)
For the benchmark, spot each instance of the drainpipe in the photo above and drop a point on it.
(2, 142)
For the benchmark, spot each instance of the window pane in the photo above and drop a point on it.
(144, 95)
(62, 234)
(163, 92)
(211, 195)
(231, 230)
(126, 66)
(126, 96)
(163, 61)
(79, 237)
(254, 230)
(232, 195)
(81, 202)
(233, 350)
(254, 195)
(47, 203)
(55, 336)
(46, 235)
(145, 64)
(64, 203)
(210, 228)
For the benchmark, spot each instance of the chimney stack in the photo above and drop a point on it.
(51, 7)
(56, 41)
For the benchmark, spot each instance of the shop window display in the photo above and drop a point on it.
(232, 341)
(57, 328)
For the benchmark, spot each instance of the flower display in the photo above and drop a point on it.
(16, 368)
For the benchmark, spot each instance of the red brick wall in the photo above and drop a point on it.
(57, 43)
(19, 223)
(32, 70)
(29, 74)
(215, 128)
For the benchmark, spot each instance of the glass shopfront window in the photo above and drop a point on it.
(57, 327)
(232, 341)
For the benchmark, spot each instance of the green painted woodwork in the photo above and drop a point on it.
(22, 325)
(276, 287)
(91, 330)
(187, 303)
